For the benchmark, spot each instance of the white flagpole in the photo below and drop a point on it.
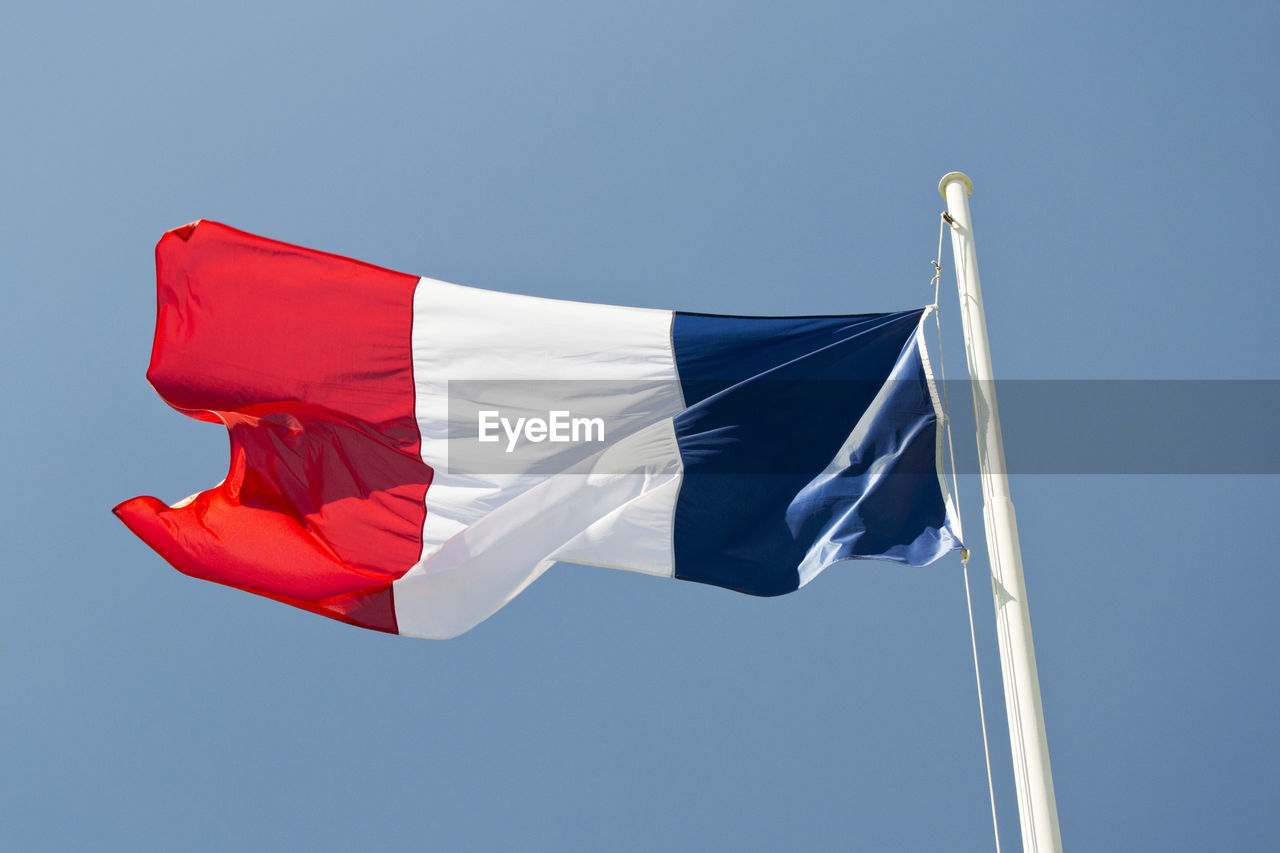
(1037, 808)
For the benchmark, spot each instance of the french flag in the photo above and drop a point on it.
(407, 455)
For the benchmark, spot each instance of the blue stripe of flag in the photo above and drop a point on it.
(770, 402)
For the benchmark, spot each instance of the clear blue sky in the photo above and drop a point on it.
(721, 157)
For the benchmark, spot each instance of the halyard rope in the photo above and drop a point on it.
(964, 552)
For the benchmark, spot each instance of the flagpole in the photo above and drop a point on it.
(1037, 808)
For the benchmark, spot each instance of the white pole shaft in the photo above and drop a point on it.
(1037, 808)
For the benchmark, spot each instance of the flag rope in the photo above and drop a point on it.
(943, 221)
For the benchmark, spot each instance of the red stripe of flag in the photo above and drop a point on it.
(307, 359)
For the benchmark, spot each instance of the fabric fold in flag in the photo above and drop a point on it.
(407, 455)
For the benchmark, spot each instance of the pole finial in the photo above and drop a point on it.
(955, 176)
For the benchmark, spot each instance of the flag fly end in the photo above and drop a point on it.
(184, 233)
